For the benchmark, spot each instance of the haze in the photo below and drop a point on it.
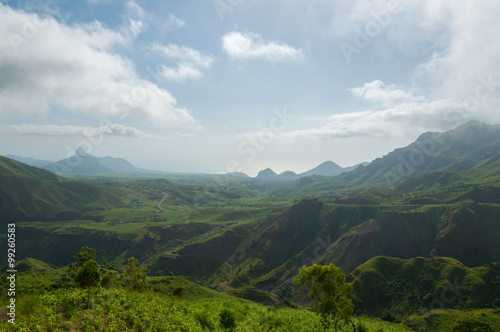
(218, 86)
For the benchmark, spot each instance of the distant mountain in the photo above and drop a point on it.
(266, 174)
(30, 161)
(84, 163)
(240, 174)
(328, 168)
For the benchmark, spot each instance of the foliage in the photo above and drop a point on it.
(329, 292)
(472, 326)
(178, 292)
(482, 320)
(88, 276)
(227, 320)
(84, 255)
(124, 310)
(133, 277)
(109, 279)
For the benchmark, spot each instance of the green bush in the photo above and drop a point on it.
(203, 318)
(360, 327)
(470, 325)
(227, 320)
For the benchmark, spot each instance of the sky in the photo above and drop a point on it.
(220, 86)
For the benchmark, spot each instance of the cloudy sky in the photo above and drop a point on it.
(225, 85)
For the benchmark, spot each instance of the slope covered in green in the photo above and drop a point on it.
(394, 288)
(31, 193)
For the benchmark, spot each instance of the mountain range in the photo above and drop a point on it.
(85, 164)
(328, 168)
(387, 225)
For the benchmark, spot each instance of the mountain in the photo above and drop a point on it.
(31, 193)
(328, 168)
(267, 174)
(473, 145)
(30, 161)
(84, 163)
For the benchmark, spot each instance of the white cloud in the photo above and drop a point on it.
(189, 62)
(252, 45)
(402, 120)
(387, 95)
(135, 16)
(46, 64)
(451, 42)
(184, 54)
(181, 73)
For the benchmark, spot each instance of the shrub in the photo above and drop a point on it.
(227, 320)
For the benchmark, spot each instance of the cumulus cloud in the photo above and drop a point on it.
(46, 64)
(189, 62)
(387, 95)
(252, 45)
(452, 39)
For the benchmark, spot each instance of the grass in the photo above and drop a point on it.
(121, 310)
(448, 320)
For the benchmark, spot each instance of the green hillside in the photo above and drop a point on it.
(394, 288)
(31, 193)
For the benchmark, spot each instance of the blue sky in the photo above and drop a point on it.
(225, 85)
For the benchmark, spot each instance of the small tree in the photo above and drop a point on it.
(88, 276)
(133, 277)
(329, 292)
(84, 255)
(109, 279)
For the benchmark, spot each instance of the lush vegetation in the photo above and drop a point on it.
(123, 310)
(402, 232)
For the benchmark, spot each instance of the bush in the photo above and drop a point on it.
(470, 325)
(179, 291)
(203, 318)
(227, 320)
(360, 327)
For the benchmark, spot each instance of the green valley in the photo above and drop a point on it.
(415, 232)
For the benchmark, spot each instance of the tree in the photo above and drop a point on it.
(84, 255)
(109, 279)
(88, 276)
(133, 277)
(329, 293)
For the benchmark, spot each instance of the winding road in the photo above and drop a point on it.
(162, 200)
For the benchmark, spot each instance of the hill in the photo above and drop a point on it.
(394, 288)
(31, 193)
(30, 161)
(474, 145)
(467, 155)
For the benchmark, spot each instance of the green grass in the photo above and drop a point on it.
(447, 320)
(120, 310)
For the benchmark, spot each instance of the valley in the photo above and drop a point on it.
(402, 228)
